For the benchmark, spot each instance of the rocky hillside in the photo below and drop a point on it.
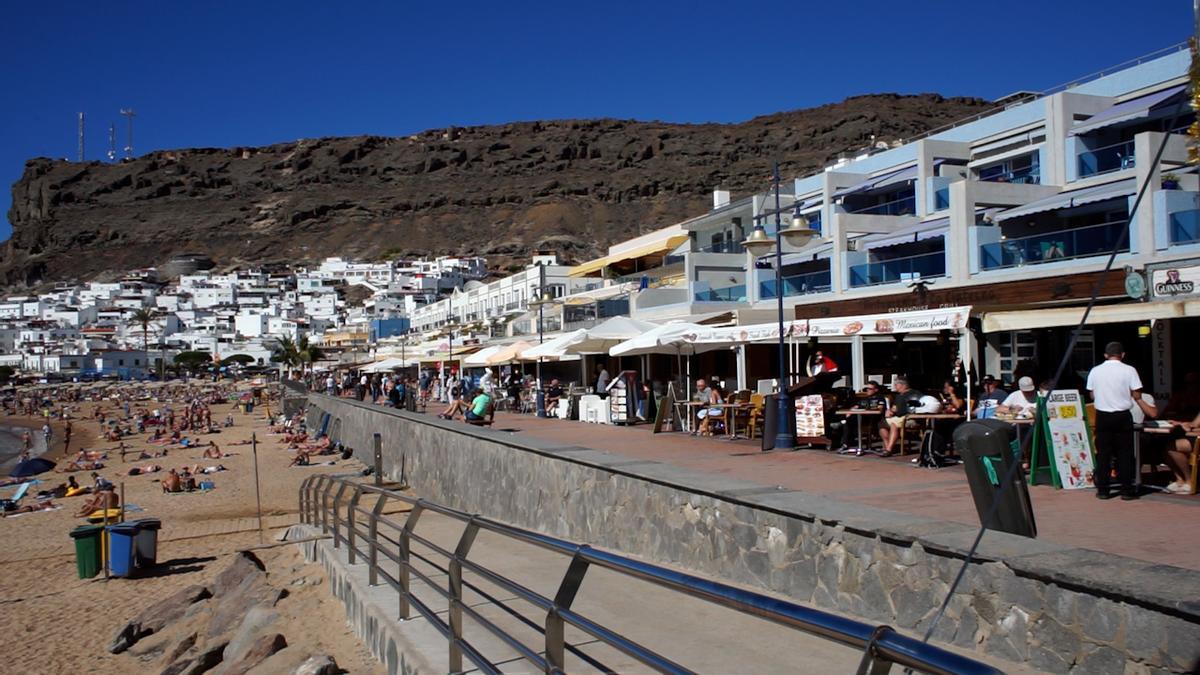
(573, 186)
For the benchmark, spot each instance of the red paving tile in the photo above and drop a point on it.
(1158, 528)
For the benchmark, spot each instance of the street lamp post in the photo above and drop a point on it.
(760, 244)
(541, 302)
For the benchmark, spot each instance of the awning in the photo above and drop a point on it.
(480, 358)
(995, 322)
(1066, 200)
(1132, 109)
(662, 247)
(604, 336)
(898, 176)
(906, 235)
(878, 181)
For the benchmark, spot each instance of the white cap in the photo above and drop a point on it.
(1026, 384)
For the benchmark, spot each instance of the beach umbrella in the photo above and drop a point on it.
(31, 467)
(508, 353)
(604, 336)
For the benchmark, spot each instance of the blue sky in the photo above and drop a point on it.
(249, 73)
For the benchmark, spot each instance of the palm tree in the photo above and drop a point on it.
(308, 352)
(285, 352)
(143, 317)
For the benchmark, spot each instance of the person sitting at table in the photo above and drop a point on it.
(1173, 448)
(706, 396)
(906, 402)
(991, 398)
(554, 394)
(952, 398)
(870, 398)
(1021, 403)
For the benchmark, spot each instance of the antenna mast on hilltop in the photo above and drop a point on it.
(80, 157)
(112, 142)
(129, 115)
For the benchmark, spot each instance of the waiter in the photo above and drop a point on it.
(1114, 386)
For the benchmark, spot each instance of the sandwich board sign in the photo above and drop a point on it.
(1062, 442)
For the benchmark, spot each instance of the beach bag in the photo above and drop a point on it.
(933, 450)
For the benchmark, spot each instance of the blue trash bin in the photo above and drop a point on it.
(121, 545)
(145, 544)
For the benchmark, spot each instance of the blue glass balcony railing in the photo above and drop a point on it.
(729, 294)
(722, 247)
(1030, 175)
(797, 284)
(1110, 158)
(896, 207)
(1185, 227)
(1036, 249)
(922, 266)
(941, 199)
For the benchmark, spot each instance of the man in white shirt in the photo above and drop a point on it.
(1114, 387)
(1023, 402)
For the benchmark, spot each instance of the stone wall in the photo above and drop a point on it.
(1049, 606)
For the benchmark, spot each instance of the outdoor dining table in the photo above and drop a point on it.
(858, 414)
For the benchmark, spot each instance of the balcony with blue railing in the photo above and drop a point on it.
(1036, 249)
(797, 284)
(727, 294)
(904, 206)
(1185, 227)
(924, 266)
(1029, 175)
(1107, 159)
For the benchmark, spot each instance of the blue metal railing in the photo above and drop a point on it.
(797, 284)
(1185, 227)
(1035, 249)
(897, 207)
(924, 266)
(728, 294)
(398, 551)
(1107, 159)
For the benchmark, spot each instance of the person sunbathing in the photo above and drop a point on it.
(246, 442)
(197, 469)
(295, 438)
(104, 499)
(90, 456)
(146, 455)
(213, 451)
(139, 470)
(81, 466)
(301, 459)
(46, 505)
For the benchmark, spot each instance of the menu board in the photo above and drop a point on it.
(1070, 443)
(810, 416)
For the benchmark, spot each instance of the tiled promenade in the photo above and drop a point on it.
(1158, 528)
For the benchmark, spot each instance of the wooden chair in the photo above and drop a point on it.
(755, 415)
(1195, 464)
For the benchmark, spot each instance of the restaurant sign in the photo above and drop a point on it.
(924, 321)
(1175, 281)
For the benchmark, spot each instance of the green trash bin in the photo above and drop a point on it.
(89, 557)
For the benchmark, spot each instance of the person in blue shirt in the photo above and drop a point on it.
(991, 398)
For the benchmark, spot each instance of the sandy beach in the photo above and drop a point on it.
(52, 621)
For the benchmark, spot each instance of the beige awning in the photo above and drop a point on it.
(995, 322)
(657, 248)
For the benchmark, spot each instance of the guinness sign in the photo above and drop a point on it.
(1175, 281)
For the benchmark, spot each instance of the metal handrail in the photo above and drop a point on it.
(334, 504)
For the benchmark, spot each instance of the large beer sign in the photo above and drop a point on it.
(1175, 281)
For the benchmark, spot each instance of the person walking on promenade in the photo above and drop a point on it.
(1114, 387)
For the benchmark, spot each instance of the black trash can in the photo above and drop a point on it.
(771, 421)
(410, 399)
(989, 451)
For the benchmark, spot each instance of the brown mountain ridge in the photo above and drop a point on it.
(573, 186)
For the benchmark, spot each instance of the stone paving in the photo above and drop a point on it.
(1159, 528)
